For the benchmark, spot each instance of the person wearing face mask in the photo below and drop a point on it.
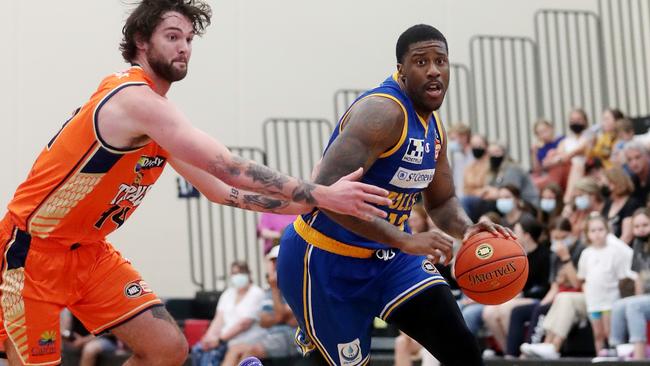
(475, 175)
(509, 204)
(460, 154)
(573, 149)
(235, 321)
(550, 203)
(504, 171)
(620, 206)
(587, 197)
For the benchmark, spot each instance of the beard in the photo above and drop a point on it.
(164, 69)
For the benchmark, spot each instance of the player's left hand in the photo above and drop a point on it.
(495, 229)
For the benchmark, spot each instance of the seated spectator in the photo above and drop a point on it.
(76, 337)
(277, 320)
(566, 251)
(602, 264)
(544, 151)
(475, 175)
(604, 143)
(510, 205)
(587, 197)
(630, 314)
(551, 204)
(270, 228)
(620, 206)
(573, 149)
(235, 321)
(497, 317)
(460, 155)
(624, 134)
(638, 166)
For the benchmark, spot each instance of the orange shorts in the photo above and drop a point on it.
(40, 278)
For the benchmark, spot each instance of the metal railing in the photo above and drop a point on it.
(295, 145)
(506, 81)
(626, 39)
(219, 234)
(572, 63)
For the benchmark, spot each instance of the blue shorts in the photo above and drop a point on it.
(335, 298)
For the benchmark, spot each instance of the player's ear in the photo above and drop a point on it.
(400, 76)
(140, 42)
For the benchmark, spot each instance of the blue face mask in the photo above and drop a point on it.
(239, 280)
(547, 204)
(505, 205)
(454, 146)
(582, 202)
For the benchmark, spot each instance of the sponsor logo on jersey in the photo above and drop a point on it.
(414, 151)
(149, 162)
(437, 149)
(405, 178)
(350, 353)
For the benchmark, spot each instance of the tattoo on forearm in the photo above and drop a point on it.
(264, 201)
(304, 193)
(266, 176)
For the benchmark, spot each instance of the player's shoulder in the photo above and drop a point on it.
(379, 107)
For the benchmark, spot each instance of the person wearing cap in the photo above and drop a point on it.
(277, 320)
(587, 197)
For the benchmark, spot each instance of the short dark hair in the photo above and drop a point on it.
(531, 226)
(148, 14)
(415, 34)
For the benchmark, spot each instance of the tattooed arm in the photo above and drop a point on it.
(145, 114)
(219, 192)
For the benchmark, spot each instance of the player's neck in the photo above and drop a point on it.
(161, 85)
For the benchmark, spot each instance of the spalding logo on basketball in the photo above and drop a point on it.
(491, 270)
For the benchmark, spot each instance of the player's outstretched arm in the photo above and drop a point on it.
(219, 192)
(157, 118)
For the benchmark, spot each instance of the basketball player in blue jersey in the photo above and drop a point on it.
(338, 273)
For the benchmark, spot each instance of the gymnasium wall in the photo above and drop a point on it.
(259, 59)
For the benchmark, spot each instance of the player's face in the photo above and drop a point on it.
(425, 74)
(170, 47)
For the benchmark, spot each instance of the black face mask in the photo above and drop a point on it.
(643, 239)
(576, 127)
(605, 191)
(495, 162)
(478, 152)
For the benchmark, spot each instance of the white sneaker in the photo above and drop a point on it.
(544, 351)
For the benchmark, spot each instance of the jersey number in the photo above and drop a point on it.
(117, 215)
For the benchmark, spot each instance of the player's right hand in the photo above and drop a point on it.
(434, 244)
(349, 197)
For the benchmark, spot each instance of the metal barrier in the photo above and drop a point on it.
(572, 62)
(295, 145)
(459, 105)
(219, 234)
(626, 38)
(506, 80)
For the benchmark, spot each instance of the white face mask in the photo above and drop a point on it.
(239, 280)
(505, 205)
(582, 202)
(454, 146)
(547, 204)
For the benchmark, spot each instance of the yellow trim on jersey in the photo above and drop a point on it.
(410, 294)
(324, 242)
(306, 295)
(424, 124)
(439, 124)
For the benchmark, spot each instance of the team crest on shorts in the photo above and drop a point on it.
(350, 353)
(428, 267)
(46, 344)
(136, 289)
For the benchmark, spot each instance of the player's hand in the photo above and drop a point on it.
(492, 228)
(433, 244)
(349, 197)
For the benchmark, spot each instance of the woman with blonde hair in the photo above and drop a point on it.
(621, 205)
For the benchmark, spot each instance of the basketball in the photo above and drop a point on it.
(491, 270)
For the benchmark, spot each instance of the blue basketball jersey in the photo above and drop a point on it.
(404, 170)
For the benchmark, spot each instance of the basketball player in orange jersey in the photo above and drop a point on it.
(97, 170)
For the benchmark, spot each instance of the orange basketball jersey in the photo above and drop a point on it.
(80, 189)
